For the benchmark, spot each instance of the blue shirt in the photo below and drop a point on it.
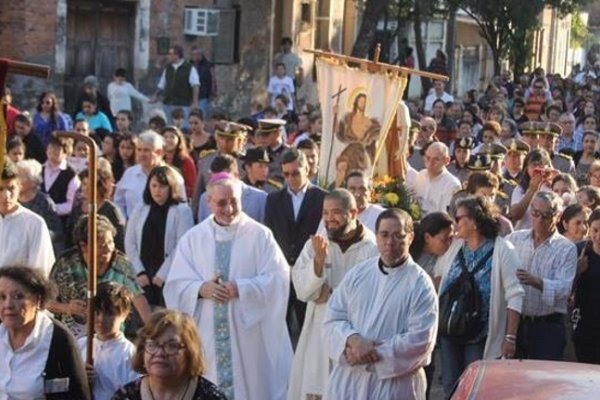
(483, 277)
(96, 121)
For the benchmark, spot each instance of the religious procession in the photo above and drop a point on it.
(196, 206)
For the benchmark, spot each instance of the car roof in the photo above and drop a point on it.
(528, 379)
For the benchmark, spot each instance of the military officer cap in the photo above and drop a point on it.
(479, 162)
(529, 128)
(495, 150)
(231, 129)
(267, 126)
(517, 146)
(549, 128)
(257, 154)
(464, 143)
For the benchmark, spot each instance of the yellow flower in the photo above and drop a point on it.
(392, 198)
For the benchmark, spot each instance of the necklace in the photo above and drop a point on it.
(180, 398)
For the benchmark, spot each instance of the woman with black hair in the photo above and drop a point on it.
(537, 175)
(573, 223)
(48, 118)
(433, 236)
(154, 229)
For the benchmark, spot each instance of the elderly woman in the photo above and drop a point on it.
(31, 197)
(40, 359)
(492, 263)
(169, 354)
(71, 270)
(153, 231)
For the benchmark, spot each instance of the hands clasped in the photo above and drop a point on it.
(218, 291)
(361, 351)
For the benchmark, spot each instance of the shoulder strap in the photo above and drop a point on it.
(482, 262)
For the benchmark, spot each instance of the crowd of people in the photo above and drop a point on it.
(237, 276)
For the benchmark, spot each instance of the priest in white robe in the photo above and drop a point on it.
(381, 321)
(321, 266)
(229, 274)
(24, 235)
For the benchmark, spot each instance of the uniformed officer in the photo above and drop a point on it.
(256, 164)
(514, 159)
(497, 154)
(230, 138)
(548, 139)
(271, 135)
(462, 152)
(477, 162)
(529, 131)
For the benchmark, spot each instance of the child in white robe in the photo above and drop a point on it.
(112, 351)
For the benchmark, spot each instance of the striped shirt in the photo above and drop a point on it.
(555, 261)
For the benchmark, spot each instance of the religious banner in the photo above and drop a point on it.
(358, 109)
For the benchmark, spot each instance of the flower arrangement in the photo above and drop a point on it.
(391, 193)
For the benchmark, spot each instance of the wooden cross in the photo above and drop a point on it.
(19, 68)
(335, 96)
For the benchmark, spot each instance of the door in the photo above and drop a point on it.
(99, 40)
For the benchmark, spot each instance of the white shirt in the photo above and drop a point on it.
(50, 175)
(369, 215)
(129, 192)
(193, 79)
(284, 86)
(21, 371)
(25, 239)
(431, 98)
(112, 364)
(120, 96)
(436, 194)
(297, 199)
(555, 261)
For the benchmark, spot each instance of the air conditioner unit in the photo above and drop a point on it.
(201, 22)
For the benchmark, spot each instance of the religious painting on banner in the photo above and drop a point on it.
(358, 109)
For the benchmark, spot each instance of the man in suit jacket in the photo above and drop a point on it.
(293, 214)
(253, 199)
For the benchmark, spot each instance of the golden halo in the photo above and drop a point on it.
(355, 92)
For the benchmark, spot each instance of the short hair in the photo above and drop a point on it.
(223, 163)
(346, 199)
(56, 142)
(165, 175)
(594, 167)
(32, 170)
(185, 327)
(126, 113)
(103, 226)
(554, 200)
(24, 119)
(307, 144)
(291, 155)
(112, 298)
(86, 98)
(357, 173)
(568, 214)
(233, 183)
(280, 64)
(286, 40)
(120, 72)
(177, 49)
(567, 179)
(158, 121)
(482, 179)
(484, 214)
(284, 99)
(32, 279)
(441, 147)
(492, 126)
(399, 215)
(177, 113)
(9, 171)
(151, 138)
(14, 142)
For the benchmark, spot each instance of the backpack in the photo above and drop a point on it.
(460, 304)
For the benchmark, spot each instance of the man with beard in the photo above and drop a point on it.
(320, 268)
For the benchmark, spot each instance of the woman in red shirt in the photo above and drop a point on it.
(177, 156)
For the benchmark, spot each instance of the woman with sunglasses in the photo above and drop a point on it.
(169, 354)
(492, 263)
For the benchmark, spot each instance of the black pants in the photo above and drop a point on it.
(588, 353)
(296, 312)
(541, 338)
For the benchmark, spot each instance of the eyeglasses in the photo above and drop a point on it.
(169, 348)
(294, 174)
(224, 203)
(540, 214)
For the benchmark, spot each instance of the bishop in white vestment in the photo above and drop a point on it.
(381, 321)
(321, 266)
(229, 274)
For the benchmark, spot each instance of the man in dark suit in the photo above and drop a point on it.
(293, 214)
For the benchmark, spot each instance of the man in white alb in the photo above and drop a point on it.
(321, 266)
(359, 185)
(381, 321)
(24, 236)
(230, 275)
(435, 185)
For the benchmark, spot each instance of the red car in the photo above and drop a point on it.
(528, 379)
